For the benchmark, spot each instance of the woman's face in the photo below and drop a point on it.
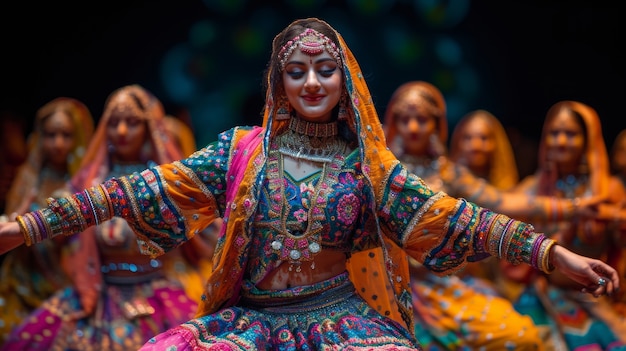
(415, 129)
(58, 139)
(126, 130)
(564, 139)
(476, 143)
(313, 85)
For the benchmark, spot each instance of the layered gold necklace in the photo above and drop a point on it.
(317, 142)
(310, 142)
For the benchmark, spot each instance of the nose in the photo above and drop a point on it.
(59, 141)
(311, 83)
(475, 143)
(122, 127)
(413, 125)
(561, 138)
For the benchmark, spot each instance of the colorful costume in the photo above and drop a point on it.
(118, 298)
(363, 203)
(451, 313)
(29, 275)
(575, 318)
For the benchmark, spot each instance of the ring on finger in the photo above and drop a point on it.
(601, 281)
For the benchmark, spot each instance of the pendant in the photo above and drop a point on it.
(296, 249)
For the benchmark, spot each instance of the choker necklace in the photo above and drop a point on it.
(317, 142)
(318, 130)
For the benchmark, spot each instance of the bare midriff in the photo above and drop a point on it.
(327, 265)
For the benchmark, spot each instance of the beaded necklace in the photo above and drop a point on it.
(317, 142)
(299, 246)
(571, 185)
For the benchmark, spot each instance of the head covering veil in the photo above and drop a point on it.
(595, 154)
(377, 163)
(30, 171)
(413, 95)
(81, 259)
(502, 167)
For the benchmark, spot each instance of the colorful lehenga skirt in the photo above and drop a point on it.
(325, 316)
(126, 316)
(451, 314)
(574, 318)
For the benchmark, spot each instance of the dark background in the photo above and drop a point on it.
(205, 59)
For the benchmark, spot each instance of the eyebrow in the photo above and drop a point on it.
(320, 60)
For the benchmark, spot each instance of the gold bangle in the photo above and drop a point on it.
(27, 238)
(546, 267)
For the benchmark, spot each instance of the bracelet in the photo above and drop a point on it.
(544, 256)
(27, 237)
(535, 256)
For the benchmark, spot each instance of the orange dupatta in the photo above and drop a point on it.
(378, 161)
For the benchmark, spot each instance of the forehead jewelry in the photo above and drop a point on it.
(416, 101)
(124, 105)
(310, 42)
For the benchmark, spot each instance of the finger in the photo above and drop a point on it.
(601, 286)
(612, 279)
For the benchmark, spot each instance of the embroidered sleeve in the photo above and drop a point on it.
(443, 232)
(165, 205)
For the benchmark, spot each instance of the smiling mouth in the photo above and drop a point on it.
(310, 98)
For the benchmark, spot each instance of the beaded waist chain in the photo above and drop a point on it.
(141, 272)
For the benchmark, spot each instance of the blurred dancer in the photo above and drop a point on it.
(118, 298)
(574, 164)
(451, 313)
(29, 275)
(480, 143)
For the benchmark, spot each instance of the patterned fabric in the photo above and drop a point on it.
(29, 275)
(554, 300)
(327, 315)
(452, 315)
(571, 320)
(126, 316)
(117, 298)
(168, 204)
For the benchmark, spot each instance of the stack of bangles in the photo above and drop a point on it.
(562, 209)
(540, 257)
(66, 215)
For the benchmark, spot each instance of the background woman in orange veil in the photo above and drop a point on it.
(118, 297)
(574, 164)
(480, 143)
(29, 275)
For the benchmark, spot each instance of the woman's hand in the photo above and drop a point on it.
(587, 207)
(10, 236)
(597, 277)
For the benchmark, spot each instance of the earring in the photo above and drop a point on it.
(283, 111)
(342, 115)
(110, 148)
